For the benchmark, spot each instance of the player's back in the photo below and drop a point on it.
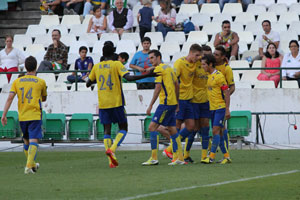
(29, 90)
(167, 78)
(215, 94)
(226, 70)
(108, 75)
(185, 72)
(200, 84)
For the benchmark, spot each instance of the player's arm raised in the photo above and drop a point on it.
(154, 98)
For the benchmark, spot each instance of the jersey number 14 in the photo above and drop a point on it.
(27, 96)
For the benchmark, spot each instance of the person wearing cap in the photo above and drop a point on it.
(108, 75)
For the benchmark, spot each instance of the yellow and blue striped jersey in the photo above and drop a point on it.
(167, 79)
(200, 85)
(108, 75)
(215, 93)
(226, 70)
(185, 72)
(30, 90)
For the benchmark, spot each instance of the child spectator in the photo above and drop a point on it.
(98, 22)
(49, 6)
(82, 63)
(123, 58)
(145, 17)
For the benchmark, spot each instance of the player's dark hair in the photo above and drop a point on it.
(108, 51)
(209, 59)
(146, 39)
(268, 55)
(221, 49)
(124, 55)
(268, 21)
(83, 48)
(96, 8)
(225, 22)
(30, 64)
(206, 48)
(57, 31)
(155, 52)
(294, 41)
(195, 47)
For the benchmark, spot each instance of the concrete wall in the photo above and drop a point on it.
(276, 128)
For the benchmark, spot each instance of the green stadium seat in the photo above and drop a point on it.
(55, 125)
(80, 126)
(100, 130)
(146, 131)
(12, 128)
(239, 124)
(3, 5)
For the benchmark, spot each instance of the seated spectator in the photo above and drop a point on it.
(166, 19)
(268, 37)
(115, 56)
(82, 63)
(50, 6)
(229, 40)
(271, 59)
(56, 56)
(145, 17)
(141, 64)
(112, 4)
(123, 58)
(120, 19)
(10, 58)
(72, 7)
(244, 3)
(292, 59)
(206, 50)
(200, 2)
(98, 22)
(89, 5)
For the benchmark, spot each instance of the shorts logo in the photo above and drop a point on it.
(221, 121)
(155, 118)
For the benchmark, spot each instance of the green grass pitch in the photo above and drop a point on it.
(86, 175)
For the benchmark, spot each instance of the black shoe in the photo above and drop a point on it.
(189, 160)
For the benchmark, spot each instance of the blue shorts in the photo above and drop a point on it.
(201, 110)
(165, 115)
(113, 115)
(31, 129)
(186, 110)
(218, 117)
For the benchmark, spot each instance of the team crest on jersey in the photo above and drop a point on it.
(209, 88)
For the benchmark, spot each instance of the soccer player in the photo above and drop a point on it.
(31, 91)
(219, 100)
(167, 89)
(225, 69)
(108, 75)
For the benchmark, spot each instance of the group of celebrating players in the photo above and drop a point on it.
(195, 91)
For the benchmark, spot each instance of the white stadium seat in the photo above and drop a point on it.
(113, 37)
(239, 64)
(70, 20)
(237, 27)
(165, 57)
(271, 16)
(156, 37)
(87, 19)
(6, 87)
(68, 39)
(62, 28)
(22, 40)
(232, 9)
(34, 49)
(62, 77)
(170, 48)
(3, 80)
(188, 9)
(289, 35)
(254, 27)
(186, 46)
(178, 36)
(288, 2)
(198, 37)
(256, 64)
(48, 77)
(89, 38)
(35, 30)
(72, 58)
(289, 17)
(295, 26)
(45, 40)
(78, 29)
(295, 7)
(49, 20)
(256, 9)
(199, 19)
(242, 47)
(246, 36)
(181, 17)
(135, 37)
(97, 48)
(254, 46)
(74, 48)
(250, 75)
(266, 3)
(220, 17)
(135, 9)
(212, 28)
(126, 46)
(210, 9)
(279, 26)
(244, 18)
(242, 85)
(178, 55)
(278, 8)
(290, 84)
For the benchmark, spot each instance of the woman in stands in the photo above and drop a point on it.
(10, 58)
(271, 59)
(166, 18)
(292, 59)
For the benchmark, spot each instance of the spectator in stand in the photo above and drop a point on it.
(244, 3)
(166, 18)
(89, 4)
(200, 2)
(10, 57)
(123, 58)
(268, 37)
(120, 19)
(82, 63)
(229, 40)
(72, 7)
(98, 22)
(145, 17)
(141, 64)
(50, 6)
(56, 56)
(292, 59)
(271, 59)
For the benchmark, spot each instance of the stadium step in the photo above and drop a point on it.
(20, 15)
(31, 5)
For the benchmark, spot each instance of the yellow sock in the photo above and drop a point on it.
(212, 155)
(179, 151)
(154, 154)
(203, 154)
(119, 139)
(186, 153)
(175, 155)
(107, 145)
(31, 154)
(169, 148)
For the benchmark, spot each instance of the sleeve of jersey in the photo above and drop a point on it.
(92, 75)
(229, 76)
(222, 83)
(158, 70)
(122, 69)
(13, 88)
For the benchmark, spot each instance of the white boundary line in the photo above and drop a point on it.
(208, 185)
